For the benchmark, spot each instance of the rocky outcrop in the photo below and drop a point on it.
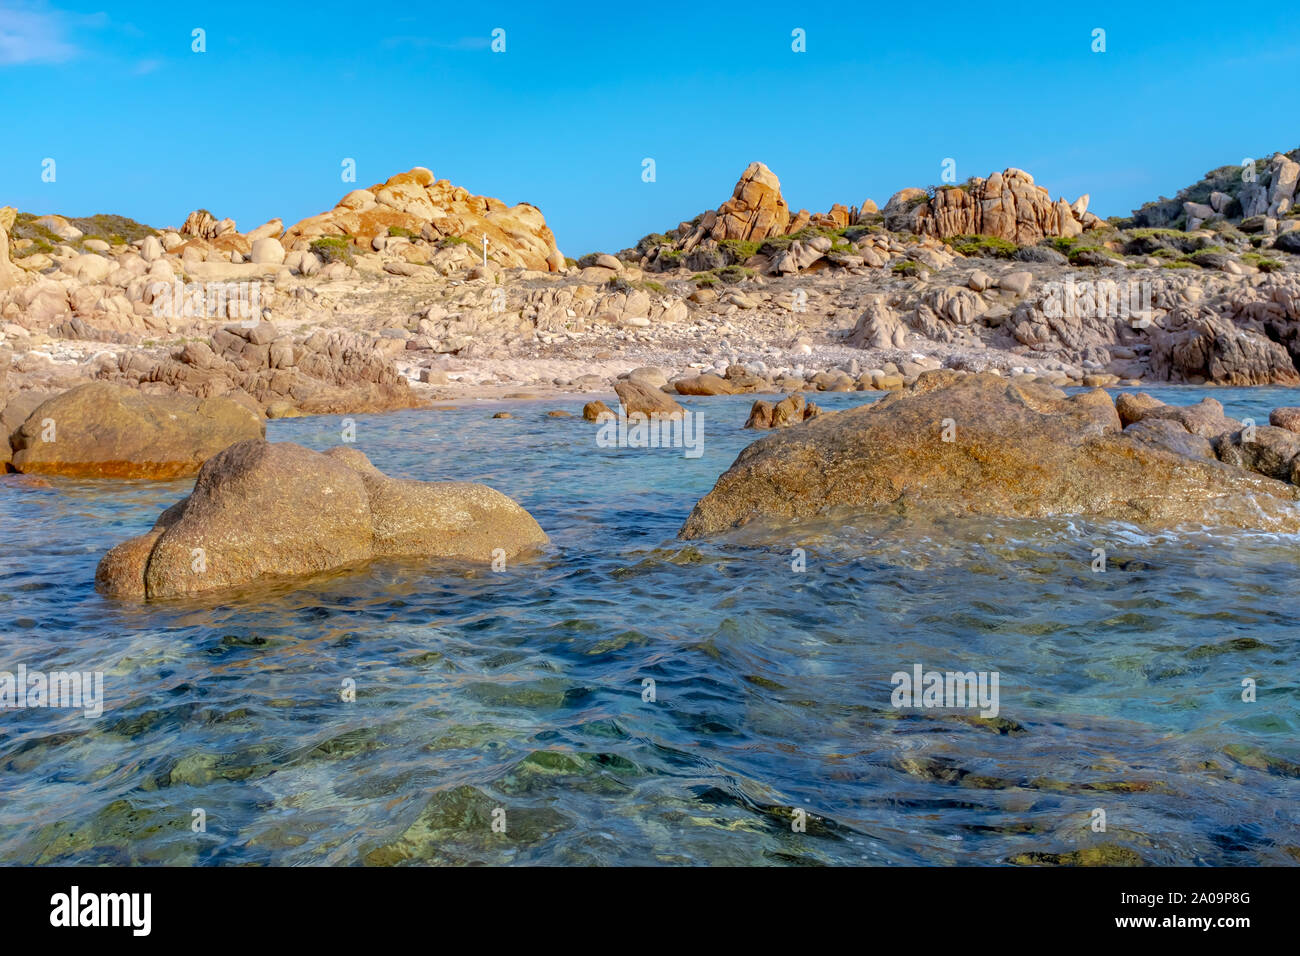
(1288, 417)
(414, 201)
(1204, 431)
(1233, 193)
(8, 273)
(15, 409)
(1265, 450)
(201, 224)
(321, 373)
(756, 210)
(637, 399)
(261, 512)
(791, 410)
(1007, 205)
(879, 327)
(1168, 434)
(706, 383)
(101, 430)
(976, 444)
(1205, 419)
(1196, 345)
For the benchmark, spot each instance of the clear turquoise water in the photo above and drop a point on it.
(522, 690)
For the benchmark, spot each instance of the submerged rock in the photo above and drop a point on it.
(261, 510)
(103, 430)
(976, 444)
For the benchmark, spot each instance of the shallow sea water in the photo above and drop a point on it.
(522, 691)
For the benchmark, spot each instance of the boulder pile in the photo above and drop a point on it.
(1006, 205)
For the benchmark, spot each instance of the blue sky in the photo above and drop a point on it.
(258, 125)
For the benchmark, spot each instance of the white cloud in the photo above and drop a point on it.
(33, 34)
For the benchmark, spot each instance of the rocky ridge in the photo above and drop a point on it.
(382, 317)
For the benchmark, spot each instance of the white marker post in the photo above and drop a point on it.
(485, 250)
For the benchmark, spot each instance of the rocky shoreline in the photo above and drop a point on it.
(389, 300)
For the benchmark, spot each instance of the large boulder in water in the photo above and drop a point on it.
(103, 430)
(263, 511)
(1014, 451)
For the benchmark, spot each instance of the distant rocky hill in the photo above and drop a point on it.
(409, 206)
(754, 228)
(415, 204)
(1007, 205)
(750, 221)
(384, 298)
(1250, 194)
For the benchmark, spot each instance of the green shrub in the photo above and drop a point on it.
(733, 274)
(908, 267)
(651, 286)
(37, 246)
(619, 284)
(654, 239)
(984, 247)
(775, 244)
(333, 249)
(1062, 244)
(1261, 263)
(1090, 255)
(854, 233)
(1149, 233)
(115, 230)
(401, 232)
(737, 251)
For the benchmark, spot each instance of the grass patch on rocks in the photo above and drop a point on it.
(333, 249)
(909, 268)
(983, 247)
(1261, 263)
(738, 251)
